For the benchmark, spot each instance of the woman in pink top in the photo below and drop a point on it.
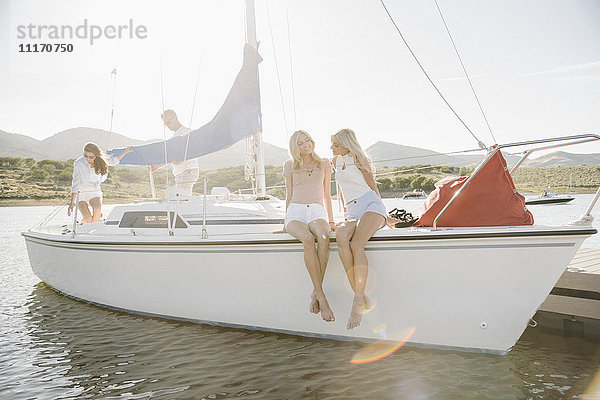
(309, 214)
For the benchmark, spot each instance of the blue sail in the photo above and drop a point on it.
(238, 117)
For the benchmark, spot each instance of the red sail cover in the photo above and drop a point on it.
(490, 199)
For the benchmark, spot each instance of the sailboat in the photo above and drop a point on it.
(215, 259)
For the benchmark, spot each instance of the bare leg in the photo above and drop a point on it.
(96, 204)
(85, 211)
(320, 229)
(366, 228)
(300, 231)
(343, 235)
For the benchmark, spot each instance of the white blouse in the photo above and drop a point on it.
(85, 178)
(350, 178)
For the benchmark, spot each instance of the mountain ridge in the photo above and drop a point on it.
(68, 144)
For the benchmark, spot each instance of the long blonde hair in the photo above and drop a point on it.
(295, 151)
(347, 138)
(100, 165)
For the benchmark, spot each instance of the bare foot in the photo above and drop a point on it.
(326, 311)
(358, 307)
(314, 304)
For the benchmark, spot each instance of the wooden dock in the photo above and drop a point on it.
(573, 306)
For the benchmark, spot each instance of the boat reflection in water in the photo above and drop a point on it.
(78, 350)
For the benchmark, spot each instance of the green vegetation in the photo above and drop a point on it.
(23, 180)
(399, 180)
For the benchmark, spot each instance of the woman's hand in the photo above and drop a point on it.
(70, 209)
(333, 226)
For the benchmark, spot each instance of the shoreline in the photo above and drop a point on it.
(124, 200)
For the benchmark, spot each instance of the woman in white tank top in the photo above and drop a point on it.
(309, 214)
(365, 214)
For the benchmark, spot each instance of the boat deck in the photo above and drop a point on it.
(573, 306)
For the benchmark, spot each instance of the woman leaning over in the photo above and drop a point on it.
(89, 171)
(365, 214)
(308, 211)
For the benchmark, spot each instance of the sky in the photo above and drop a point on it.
(328, 64)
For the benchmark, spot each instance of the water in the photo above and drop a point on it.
(54, 347)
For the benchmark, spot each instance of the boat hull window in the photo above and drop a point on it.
(149, 219)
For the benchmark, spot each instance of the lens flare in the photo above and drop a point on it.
(380, 330)
(372, 282)
(377, 351)
(370, 305)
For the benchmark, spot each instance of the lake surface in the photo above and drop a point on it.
(54, 347)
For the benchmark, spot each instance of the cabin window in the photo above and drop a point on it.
(149, 219)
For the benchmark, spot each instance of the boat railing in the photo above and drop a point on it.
(572, 140)
(204, 231)
(75, 214)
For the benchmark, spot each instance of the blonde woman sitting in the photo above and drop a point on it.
(365, 214)
(309, 214)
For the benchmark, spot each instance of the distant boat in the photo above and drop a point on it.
(415, 194)
(549, 197)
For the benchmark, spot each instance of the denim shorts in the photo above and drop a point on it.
(305, 213)
(368, 202)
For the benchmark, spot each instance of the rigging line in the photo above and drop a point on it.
(287, 18)
(479, 142)
(112, 107)
(187, 142)
(162, 99)
(276, 67)
(114, 87)
(465, 71)
(108, 91)
(424, 156)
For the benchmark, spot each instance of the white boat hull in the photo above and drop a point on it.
(465, 288)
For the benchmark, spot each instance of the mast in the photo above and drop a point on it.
(259, 153)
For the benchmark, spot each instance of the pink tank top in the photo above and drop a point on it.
(307, 183)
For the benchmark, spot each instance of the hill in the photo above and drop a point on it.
(61, 146)
(564, 159)
(235, 155)
(396, 155)
(67, 144)
(14, 145)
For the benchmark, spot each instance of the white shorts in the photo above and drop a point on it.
(87, 195)
(305, 213)
(368, 202)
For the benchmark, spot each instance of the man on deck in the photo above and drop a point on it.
(186, 172)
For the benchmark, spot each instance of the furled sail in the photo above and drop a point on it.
(238, 117)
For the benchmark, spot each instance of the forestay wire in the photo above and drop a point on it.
(276, 67)
(465, 71)
(287, 19)
(479, 142)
